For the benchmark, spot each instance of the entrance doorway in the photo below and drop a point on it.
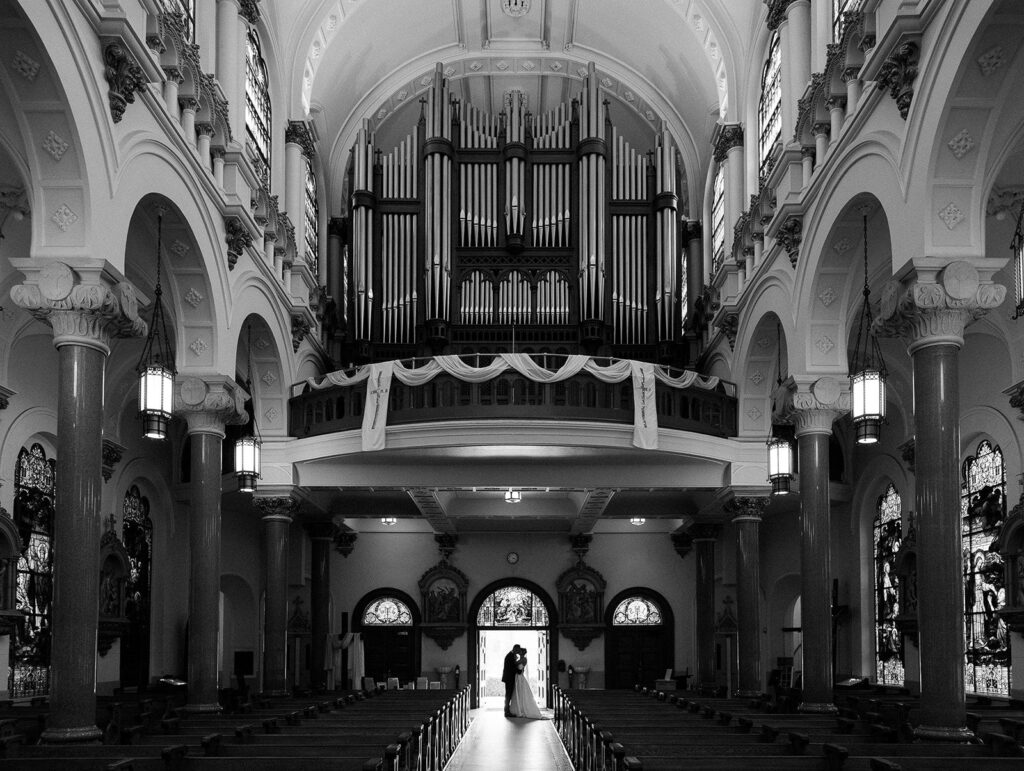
(491, 649)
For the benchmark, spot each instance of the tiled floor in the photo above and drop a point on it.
(497, 743)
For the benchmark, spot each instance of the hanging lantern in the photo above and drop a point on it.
(156, 365)
(780, 464)
(867, 383)
(247, 447)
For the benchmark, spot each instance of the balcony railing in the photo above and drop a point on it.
(510, 395)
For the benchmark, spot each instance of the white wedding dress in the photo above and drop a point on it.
(523, 703)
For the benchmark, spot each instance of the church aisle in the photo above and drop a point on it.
(496, 743)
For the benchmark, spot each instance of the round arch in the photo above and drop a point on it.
(474, 630)
(638, 653)
(389, 650)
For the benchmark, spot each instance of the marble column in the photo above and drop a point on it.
(276, 513)
(930, 311)
(87, 304)
(230, 50)
(322, 537)
(704, 537)
(747, 513)
(207, 405)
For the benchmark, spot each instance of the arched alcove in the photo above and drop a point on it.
(639, 638)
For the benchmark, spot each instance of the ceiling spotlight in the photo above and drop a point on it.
(513, 496)
(637, 521)
(389, 521)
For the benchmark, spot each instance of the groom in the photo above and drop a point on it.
(509, 670)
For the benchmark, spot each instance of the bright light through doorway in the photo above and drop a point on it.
(494, 644)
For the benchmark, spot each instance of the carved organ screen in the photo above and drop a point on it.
(483, 233)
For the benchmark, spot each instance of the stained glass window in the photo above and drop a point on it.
(769, 107)
(982, 511)
(636, 611)
(312, 215)
(839, 7)
(718, 219)
(137, 535)
(512, 606)
(257, 106)
(387, 611)
(888, 535)
(34, 479)
(187, 9)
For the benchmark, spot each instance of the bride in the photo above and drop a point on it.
(523, 703)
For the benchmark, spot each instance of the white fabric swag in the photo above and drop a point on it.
(643, 374)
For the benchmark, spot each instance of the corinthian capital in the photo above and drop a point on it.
(87, 303)
(934, 312)
(812, 406)
(209, 403)
(276, 506)
(747, 507)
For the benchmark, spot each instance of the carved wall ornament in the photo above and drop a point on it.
(812, 407)
(209, 404)
(747, 507)
(951, 215)
(298, 133)
(754, 414)
(581, 603)
(827, 296)
(824, 344)
(730, 136)
(756, 377)
(729, 326)
(269, 377)
(193, 297)
(115, 567)
(898, 73)
(444, 590)
(199, 346)
(237, 237)
(25, 65)
(682, 543)
(908, 453)
(842, 246)
(249, 10)
(789, 236)
(961, 144)
(271, 414)
(821, 128)
(180, 248)
(991, 60)
(300, 328)
(55, 145)
(112, 454)
(1004, 201)
(124, 77)
(64, 217)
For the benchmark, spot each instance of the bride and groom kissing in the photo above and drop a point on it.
(519, 700)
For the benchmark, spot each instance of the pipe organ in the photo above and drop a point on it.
(548, 232)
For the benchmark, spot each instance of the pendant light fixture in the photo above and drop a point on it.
(867, 382)
(780, 451)
(513, 496)
(247, 447)
(156, 365)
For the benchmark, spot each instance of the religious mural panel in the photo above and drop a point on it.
(512, 606)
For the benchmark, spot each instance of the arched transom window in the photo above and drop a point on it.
(387, 611)
(982, 511)
(512, 606)
(769, 112)
(888, 535)
(636, 611)
(257, 106)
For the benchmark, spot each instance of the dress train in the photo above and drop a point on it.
(523, 702)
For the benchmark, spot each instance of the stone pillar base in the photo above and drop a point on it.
(928, 733)
(88, 734)
(817, 708)
(201, 708)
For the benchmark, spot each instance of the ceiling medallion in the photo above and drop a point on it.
(515, 8)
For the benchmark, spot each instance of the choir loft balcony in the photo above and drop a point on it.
(509, 387)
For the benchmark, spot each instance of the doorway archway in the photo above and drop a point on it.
(639, 641)
(389, 621)
(522, 607)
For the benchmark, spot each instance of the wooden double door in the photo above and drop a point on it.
(391, 652)
(637, 654)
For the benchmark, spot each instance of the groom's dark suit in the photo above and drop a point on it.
(509, 670)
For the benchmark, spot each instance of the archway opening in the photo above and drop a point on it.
(639, 642)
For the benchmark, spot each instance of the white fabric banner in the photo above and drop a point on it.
(644, 376)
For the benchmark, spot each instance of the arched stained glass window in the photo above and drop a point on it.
(311, 211)
(769, 108)
(257, 106)
(888, 535)
(512, 606)
(636, 611)
(982, 511)
(137, 535)
(387, 611)
(718, 219)
(34, 479)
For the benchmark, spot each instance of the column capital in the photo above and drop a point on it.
(729, 135)
(298, 133)
(777, 10)
(276, 507)
(209, 403)
(811, 405)
(933, 307)
(682, 543)
(86, 301)
(747, 508)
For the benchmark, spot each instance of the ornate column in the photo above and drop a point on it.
(276, 511)
(87, 303)
(322, 536)
(930, 312)
(704, 537)
(836, 114)
(813, 407)
(207, 404)
(747, 512)
(851, 77)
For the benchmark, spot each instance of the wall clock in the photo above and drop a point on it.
(512, 557)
